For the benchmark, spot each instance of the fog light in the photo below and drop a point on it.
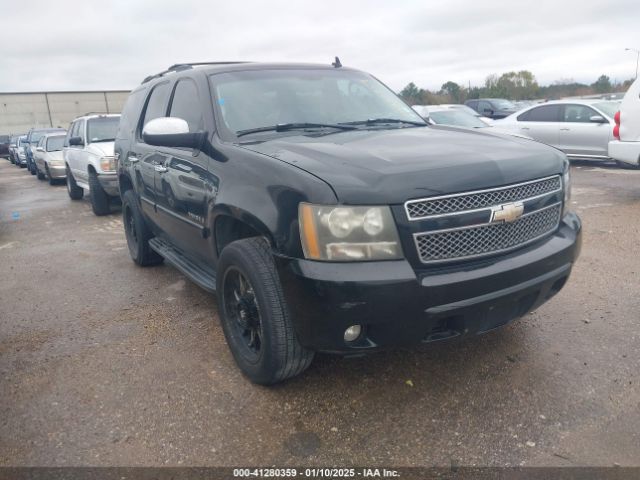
(351, 333)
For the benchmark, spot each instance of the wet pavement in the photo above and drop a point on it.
(106, 363)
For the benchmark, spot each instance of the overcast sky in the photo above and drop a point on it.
(87, 45)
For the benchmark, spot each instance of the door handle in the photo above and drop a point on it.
(565, 129)
(524, 128)
(160, 168)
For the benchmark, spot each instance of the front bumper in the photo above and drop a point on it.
(399, 305)
(109, 182)
(628, 152)
(57, 171)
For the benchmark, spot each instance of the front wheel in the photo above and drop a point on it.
(99, 199)
(75, 192)
(39, 174)
(254, 314)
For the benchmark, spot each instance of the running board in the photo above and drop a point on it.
(202, 276)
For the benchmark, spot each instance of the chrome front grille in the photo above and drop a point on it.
(486, 239)
(463, 202)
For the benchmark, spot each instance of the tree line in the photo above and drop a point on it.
(516, 86)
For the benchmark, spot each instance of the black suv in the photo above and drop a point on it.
(327, 216)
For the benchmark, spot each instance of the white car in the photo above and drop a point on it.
(89, 160)
(625, 148)
(48, 157)
(580, 128)
(457, 117)
(424, 109)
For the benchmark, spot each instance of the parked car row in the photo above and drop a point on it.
(81, 155)
(325, 213)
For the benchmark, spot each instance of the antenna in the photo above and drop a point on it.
(337, 63)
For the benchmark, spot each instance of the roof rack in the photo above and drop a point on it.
(179, 67)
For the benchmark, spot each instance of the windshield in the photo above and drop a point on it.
(102, 129)
(456, 117)
(502, 104)
(37, 135)
(55, 143)
(608, 108)
(254, 99)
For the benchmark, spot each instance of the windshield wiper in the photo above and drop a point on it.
(374, 121)
(283, 127)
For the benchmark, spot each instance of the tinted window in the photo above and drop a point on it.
(482, 106)
(130, 114)
(578, 113)
(157, 104)
(187, 105)
(546, 113)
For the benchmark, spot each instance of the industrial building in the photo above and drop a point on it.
(20, 111)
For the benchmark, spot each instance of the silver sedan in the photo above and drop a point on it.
(580, 128)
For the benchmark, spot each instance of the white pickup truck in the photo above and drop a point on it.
(89, 160)
(625, 149)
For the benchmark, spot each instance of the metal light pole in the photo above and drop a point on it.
(637, 57)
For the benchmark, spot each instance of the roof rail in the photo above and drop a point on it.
(96, 113)
(179, 67)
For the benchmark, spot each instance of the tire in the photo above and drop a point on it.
(32, 168)
(75, 192)
(137, 232)
(265, 320)
(52, 181)
(99, 199)
(39, 174)
(627, 166)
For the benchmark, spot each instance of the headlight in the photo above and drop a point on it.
(108, 164)
(566, 183)
(347, 234)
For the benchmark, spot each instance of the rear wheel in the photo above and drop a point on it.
(627, 166)
(75, 192)
(137, 232)
(254, 315)
(52, 181)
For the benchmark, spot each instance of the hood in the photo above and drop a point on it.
(392, 166)
(102, 149)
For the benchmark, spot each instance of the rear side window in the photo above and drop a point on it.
(545, 113)
(130, 114)
(157, 104)
(187, 105)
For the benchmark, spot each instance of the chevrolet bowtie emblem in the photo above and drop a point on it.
(509, 212)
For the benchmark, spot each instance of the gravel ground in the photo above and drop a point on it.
(105, 363)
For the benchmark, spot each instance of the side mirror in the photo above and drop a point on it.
(39, 149)
(171, 132)
(597, 119)
(76, 141)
